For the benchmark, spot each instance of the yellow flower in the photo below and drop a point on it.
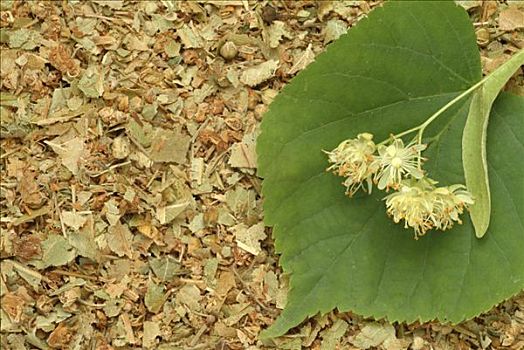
(396, 162)
(413, 204)
(449, 204)
(423, 206)
(354, 160)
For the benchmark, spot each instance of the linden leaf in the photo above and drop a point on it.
(165, 268)
(391, 72)
(474, 142)
(56, 251)
(154, 298)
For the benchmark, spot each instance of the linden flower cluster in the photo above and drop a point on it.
(392, 165)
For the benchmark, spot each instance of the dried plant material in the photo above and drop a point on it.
(169, 146)
(73, 219)
(70, 152)
(334, 29)
(166, 214)
(373, 334)
(276, 32)
(228, 50)
(92, 82)
(120, 148)
(33, 215)
(249, 239)
(189, 38)
(84, 241)
(511, 18)
(56, 251)
(165, 268)
(332, 335)
(243, 154)
(190, 295)
(112, 4)
(112, 212)
(154, 298)
(469, 4)
(226, 281)
(27, 247)
(30, 191)
(60, 337)
(119, 239)
(13, 305)
(259, 74)
(302, 60)
(135, 43)
(161, 101)
(151, 331)
(61, 59)
(141, 132)
(25, 39)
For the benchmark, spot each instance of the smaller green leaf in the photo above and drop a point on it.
(474, 142)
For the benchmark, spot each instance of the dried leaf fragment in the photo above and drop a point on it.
(61, 336)
(13, 305)
(189, 38)
(165, 268)
(92, 82)
(30, 191)
(243, 154)
(154, 298)
(373, 334)
(56, 251)
(332, 335)
(249, 239)
(151, 331)
(25, 39)
(334, 29)
(511, 18)
(168, 213)
(70, 152)
(27, 247)
(276, 32)
(84, 241)
(60, 58)
(302, 61)
(119, 239)
(169, 146)
(260, 73)
(73, 219)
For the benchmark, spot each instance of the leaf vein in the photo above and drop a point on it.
(439, 62)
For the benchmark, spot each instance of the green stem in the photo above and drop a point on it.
(451, 103)
(420, 128)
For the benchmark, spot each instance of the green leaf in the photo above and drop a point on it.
(388, 74)
(474, 142)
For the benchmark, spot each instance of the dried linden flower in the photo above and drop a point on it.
(396, 162)
(354, 160)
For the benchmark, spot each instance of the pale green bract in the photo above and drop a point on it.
(390, 73)
(474, 142)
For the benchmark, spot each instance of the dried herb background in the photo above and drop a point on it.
(131, 212)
